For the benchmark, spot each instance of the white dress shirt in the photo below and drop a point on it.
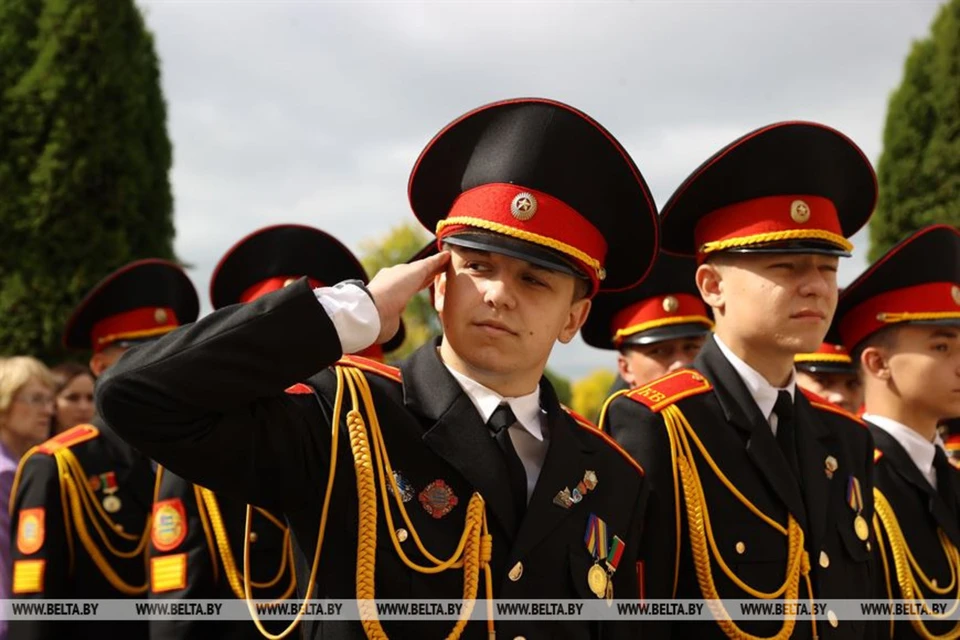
(528, 434)
(762, 392)
(920, 450)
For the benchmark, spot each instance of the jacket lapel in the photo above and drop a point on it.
(900, 460)
(456, 432)
(813, 438)
(567, 458)
(135, 474)
(741, 410)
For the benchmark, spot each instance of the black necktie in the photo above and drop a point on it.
(786, 433)
(945, 472)
(499, 423)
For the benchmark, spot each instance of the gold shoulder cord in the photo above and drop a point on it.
(79, 499)
(908, 570)
(472, 554)
(703, 544)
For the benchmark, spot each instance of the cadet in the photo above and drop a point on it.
(761, 507)
(538, 207)
(901, 320)
(188, 557)
(82, 500)
(657, 327)
(830, 373)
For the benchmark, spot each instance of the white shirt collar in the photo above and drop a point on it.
(920, 450)
(763, 393)
(525, 408)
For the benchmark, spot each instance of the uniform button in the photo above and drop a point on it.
(832, 617)
(868, 546)
(118, 527)
(824, 559)
(402, 534)
(253, 536)
(741, 548)
(516, 572)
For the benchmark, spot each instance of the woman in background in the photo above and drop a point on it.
(74, 392)
(26, 407)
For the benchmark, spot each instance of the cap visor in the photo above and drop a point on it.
(514, 248)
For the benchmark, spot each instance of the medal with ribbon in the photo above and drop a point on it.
(855, 500)
(600, 578)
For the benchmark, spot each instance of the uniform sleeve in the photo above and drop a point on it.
(643, 435)
(39, 551)
(207, 400)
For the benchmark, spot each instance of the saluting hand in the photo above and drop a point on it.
(393, 287)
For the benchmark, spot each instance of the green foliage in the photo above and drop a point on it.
(590, 392)
(84, 159)
(919, 171)
(561, 385)
(395, 247)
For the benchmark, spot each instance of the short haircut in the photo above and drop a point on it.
(16, 372)
(885, 338)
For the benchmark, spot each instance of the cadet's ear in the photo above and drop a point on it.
(709, 279)
(875, 363)
(439, 292)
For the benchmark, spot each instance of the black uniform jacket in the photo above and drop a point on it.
(726, 419)
(196, 552)
(921, 513)
(208, 402)
(58, 555)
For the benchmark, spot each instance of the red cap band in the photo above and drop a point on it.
(264, 287)
(144, 322)
(532, 216)
(931, 301)
(658, 311)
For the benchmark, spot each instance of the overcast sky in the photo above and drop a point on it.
(314, 112)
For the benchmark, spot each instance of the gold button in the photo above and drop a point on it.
(160, 316)
(402, 534)
(832, 617)
(289, 281)
(824, 559)
(868, 546)
(741, 548)
(671, 304)
(118, 527)
(516, 572)
(253, 536)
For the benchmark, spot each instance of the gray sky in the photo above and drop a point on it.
(314, 112)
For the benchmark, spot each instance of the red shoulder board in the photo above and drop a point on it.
(299, 389)
(952, 443)
(586, 425)
(69, 438)
(953, 462)
(372, 366)
(820, 402)
(877, 454)
(670, 389)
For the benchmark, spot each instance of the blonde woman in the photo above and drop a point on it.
(26, 407)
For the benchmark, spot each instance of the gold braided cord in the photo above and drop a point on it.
(477, 544)
(777, 236)
(96, 555)
(906, 568)
(909, 316)
(93, 508)
(671, 435)
(659, 322)
(131, 335)
(207, 532)
(527, 236)
(324, 512)
(234, 579)
(16, 477)
(822, 357)
(878, 531)
(703, 544)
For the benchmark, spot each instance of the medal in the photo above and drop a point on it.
(404, 488)
(613, 559)
(861, 528)
(437, 499)
(597, 581)
(855, 500)
(112, 503)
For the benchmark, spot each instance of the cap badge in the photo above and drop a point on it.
(670, 304)
(955, 292)
(289, 281)
(160, 316)
(799, 211)
(524, 206)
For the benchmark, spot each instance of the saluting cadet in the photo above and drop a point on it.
(657, 327)
(82, 500)
(830, 373)
(537, 207)
(749, 478)
(901, 320)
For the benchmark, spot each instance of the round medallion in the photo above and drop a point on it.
(524, 206)
(112, 504)
(671, 304)
(860, 528)
(597, 580)
(437, 498)
(160, 315)
(799, 211)
(402, 534)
